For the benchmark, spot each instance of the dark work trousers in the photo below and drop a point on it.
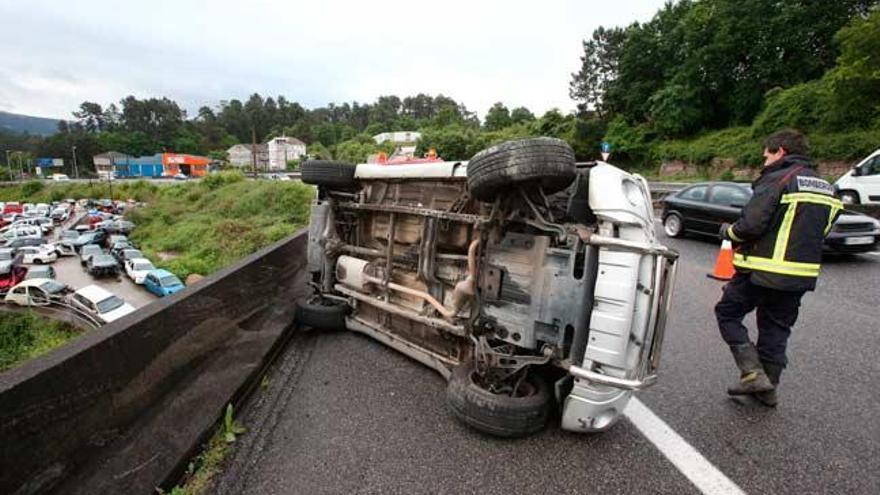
(777, 312)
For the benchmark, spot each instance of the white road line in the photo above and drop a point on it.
(702, 473)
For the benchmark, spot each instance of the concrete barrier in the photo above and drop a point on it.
(121, 409)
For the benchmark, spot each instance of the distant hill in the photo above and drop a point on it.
(25, 123)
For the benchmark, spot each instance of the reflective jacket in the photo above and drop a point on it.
(782, 228)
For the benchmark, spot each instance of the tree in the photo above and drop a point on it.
(91, 116)
(855, 81)
(521, 115)
(498, 117)
(598, 68)
(157, 119)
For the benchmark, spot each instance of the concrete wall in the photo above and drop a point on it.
(120, 409)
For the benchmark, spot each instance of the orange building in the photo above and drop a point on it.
(190, 165)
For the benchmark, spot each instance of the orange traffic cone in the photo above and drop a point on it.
(724, 263)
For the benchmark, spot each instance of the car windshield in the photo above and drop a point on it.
(132, 253)
(91, 249)
(52, 287)
(144, 265)
(109, 304)
(169, 281)
(99, 259)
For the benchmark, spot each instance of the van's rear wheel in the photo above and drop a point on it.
(322, 314)
(545, 162)
(500, 414)
(330, 174)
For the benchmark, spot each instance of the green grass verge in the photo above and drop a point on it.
(24, 335)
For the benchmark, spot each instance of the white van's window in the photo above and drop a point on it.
(872, 166)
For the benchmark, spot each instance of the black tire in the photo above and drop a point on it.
(849, 197)
(545, 162)
(38, 261)
(322, 314)
(333, 175)
(673, 225)
(498, 415)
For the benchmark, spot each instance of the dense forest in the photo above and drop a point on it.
(701, 79)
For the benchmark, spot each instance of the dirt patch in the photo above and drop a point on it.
(167, 255)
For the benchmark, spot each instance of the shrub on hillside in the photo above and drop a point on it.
(31, 187)
(218, 179)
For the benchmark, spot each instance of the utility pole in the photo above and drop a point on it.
(75, 169)
(20, 168)
(9, 165)
(254, 149)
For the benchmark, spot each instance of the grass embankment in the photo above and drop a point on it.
(201, 227)
(27, 335)
(743, 146)
(194, 227)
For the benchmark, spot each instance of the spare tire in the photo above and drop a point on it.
(330, 174)
(499, 415)
(544, 162)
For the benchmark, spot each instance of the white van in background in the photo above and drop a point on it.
(861, 185)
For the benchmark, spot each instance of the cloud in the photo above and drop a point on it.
(197, 53)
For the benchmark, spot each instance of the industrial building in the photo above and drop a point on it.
(158, 165)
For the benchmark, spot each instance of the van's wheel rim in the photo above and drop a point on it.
(672, 225)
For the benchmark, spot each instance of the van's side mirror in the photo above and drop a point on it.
(857, 171)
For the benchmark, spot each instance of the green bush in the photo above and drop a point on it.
(31, 187)
(801, 106)
(218, 179)
(26, 335)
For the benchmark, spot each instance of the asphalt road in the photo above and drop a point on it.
(342, 413)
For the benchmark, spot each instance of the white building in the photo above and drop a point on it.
(398, 137)
(283, 149)
(242, 155)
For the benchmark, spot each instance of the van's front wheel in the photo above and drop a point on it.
(849, 197)
(515, 413)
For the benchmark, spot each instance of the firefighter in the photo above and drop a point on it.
(777, 252)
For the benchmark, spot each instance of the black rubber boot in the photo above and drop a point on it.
(773, 371)
(752, 378)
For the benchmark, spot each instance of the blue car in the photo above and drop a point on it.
(162, 283)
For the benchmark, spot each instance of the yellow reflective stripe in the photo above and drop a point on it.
(784, 233)
(776, 266)
(820, 199)
(831, 216)
(732, 234)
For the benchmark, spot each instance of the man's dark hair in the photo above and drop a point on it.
(792, 141)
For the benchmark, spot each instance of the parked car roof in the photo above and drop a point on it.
(94, 293)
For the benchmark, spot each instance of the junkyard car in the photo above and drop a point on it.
(99, 304)
(102, 265)
(520, 277)
(162, 283)
(37, 292)
(137, 269)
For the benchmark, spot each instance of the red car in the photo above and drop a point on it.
(12, 207)
(10, 275)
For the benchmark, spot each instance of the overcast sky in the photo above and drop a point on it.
(56, 54)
